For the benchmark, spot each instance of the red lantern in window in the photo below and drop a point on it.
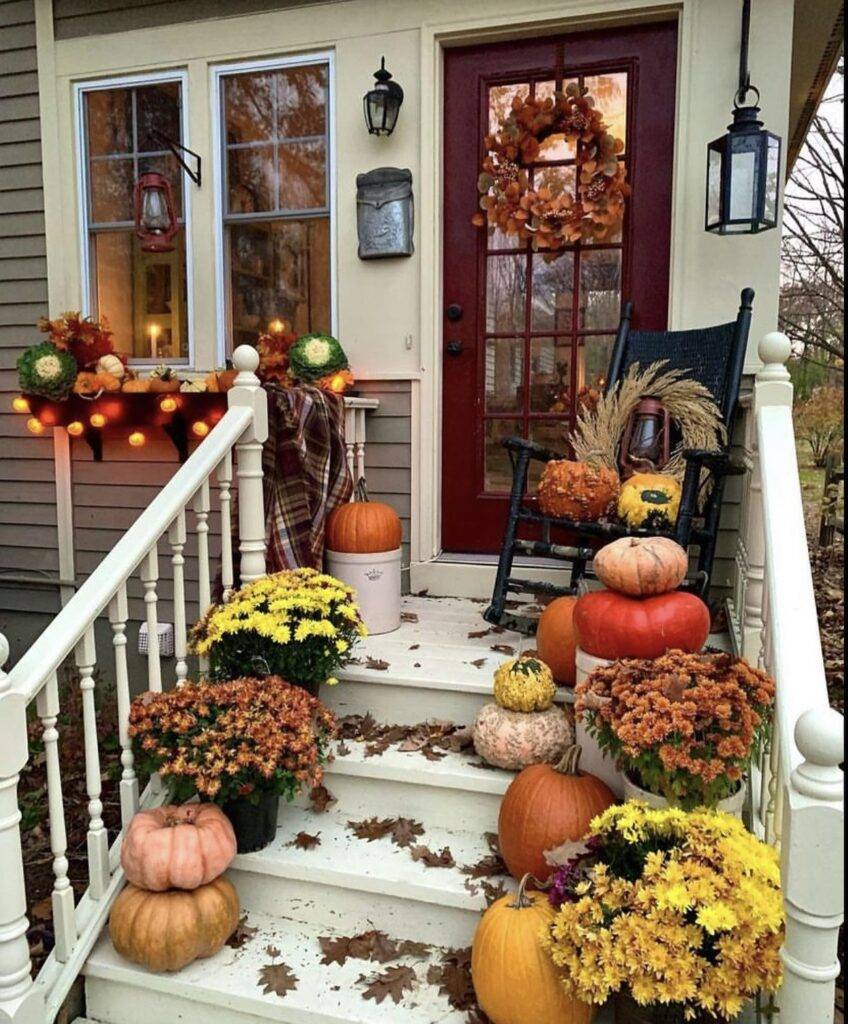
(155, 214)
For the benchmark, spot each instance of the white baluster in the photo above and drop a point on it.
(350, 441)
(118, 615)
(150, 580)
(177, 540)
(247, 392)
(225, 479)
(813, 869)
(19, 1000)
(64, 920)
(98, 840)
(201, 512)
(360, 443)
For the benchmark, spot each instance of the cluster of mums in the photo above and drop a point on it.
(665, 904)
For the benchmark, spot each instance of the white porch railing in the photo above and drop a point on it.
(796, 792)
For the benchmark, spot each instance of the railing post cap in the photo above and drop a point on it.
(775, 347)
(246, 359)
(820, 738)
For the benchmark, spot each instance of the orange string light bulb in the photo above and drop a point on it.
(200, 428)
(137, 439)
(20, 404)
(75, 429)
(168, 404)
(35, 426)
(97, 419)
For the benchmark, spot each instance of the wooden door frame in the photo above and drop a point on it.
(426, 497)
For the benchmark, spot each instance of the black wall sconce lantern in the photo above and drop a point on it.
(382, 103)
(743, 166)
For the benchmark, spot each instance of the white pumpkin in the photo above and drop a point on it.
(516, 739)
(111, 364)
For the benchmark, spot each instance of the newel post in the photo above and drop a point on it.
(247, 391)
(772, 386)
(20, 1003)
(813, 869)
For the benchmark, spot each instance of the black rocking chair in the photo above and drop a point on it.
(715, 356)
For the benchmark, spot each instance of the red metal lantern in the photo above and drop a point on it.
(155, 214)
(646, 443)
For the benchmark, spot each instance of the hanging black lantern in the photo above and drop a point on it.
(382, 103)
(743, 166)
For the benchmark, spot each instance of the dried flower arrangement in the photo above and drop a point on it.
(237, 740)
(683, 726)
(668, 907)
(299, 623)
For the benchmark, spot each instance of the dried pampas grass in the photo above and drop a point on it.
(597, 435)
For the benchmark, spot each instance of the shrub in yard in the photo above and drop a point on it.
(819, 421)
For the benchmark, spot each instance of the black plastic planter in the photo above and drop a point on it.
(255, 825)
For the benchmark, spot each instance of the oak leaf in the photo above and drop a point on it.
(277, 979)
(305, 841)
(426, 856)
(391, 983)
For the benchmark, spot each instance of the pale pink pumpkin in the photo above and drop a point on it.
(515, 739)
(177, 847)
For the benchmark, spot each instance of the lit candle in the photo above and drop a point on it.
(275, 327)
(155, 330)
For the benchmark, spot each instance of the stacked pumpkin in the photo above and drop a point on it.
(523, 726)
(177, 907)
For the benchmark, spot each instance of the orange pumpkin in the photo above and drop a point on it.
(544, 807)
(515, 980)
(583, 491)
(177, 847)
(363, 526)
(641, 566)
(556, 639)
(166, 931)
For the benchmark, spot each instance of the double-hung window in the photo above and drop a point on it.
(143, 296)
(275, 142)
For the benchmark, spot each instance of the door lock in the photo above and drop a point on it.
(454, 311)
(454, 348)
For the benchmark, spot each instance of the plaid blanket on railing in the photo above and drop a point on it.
(306, 473)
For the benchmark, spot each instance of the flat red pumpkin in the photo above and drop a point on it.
(611, 625)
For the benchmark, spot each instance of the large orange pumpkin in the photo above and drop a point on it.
(584, 491)
(556, 639)
(363, 526)
(641, 566)
(611, 625)
(177, 847)
(514, 978)
(166, 931)
(544, 807)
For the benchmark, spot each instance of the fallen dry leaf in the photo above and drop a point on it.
(277, 979)
(376, 664)
(565, 852)
(321, 799)
(372, 829)
(452, 976)
(426, 856)
(391, 983)
(502, 648)
(243, 933)
(305, 841)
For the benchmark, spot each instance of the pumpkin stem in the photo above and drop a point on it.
(521, 902)
(570, 763)
(360, 491)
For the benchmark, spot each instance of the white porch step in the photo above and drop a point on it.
(225, 989)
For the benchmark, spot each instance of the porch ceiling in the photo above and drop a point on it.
(816, 47)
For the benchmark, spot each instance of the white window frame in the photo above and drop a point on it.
(121, 82)
(218, 73)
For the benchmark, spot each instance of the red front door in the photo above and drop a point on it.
(522, 334)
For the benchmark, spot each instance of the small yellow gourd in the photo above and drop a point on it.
(649, 499)
(524, 684)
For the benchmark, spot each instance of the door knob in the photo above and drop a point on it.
(454, 348)
(454, 311)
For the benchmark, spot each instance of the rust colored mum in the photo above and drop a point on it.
(683, 725)
(235, 739)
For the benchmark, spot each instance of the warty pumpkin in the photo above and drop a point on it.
(641, 566)
(166, 931)
(556, 639)
(363, 526)
(177, 847)
(514, 978)
(544, 807)
(583, 491)
(524, 684)
(649, 499)
(514, 739)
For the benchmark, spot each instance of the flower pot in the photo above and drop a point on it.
(376, 579)
(732, 804)
(255, 825)
(593, 759)
(628, 1011)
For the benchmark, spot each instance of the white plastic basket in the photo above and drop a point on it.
(166, 639)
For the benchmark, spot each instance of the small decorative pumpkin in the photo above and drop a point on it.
(363, 526)
(611, 625)
(514, 739)
(524, 684)
(515, 980)
(177, 847)
(546, 806)
(93, 383)
(136, 386)
(220, 380)
(166, 931)
(583, 491)
(163, 380)
(194, 387)
(110, 363)
(649, 499)
(556, 639)
(641, 566)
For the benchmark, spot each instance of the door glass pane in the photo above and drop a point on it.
(555, 147)
(550, 434)
(610, 94)
(500, 102)
(111, 186)
(504, 373)
(600, 289)
(497, 469)
(550, 375)
(560, 180)
(593, 359)
(553, 287)
(109, 121)
(506, 286)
